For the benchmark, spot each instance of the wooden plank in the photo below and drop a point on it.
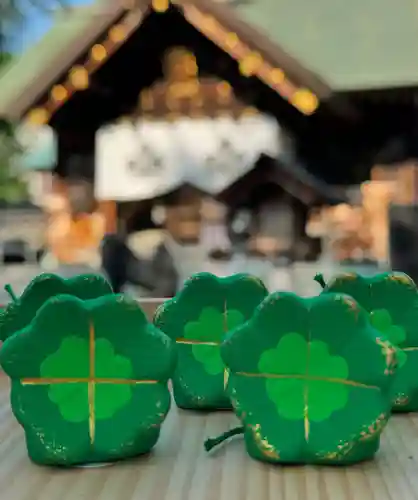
(180, 469)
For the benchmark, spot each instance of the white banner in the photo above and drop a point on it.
(147, 159)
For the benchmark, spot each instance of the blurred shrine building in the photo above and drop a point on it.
(230, 123)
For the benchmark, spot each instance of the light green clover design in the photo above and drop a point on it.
(211, 326)
(309, 380)
(72, 399)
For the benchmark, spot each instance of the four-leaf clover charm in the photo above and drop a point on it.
(21, 311)
(309, 380)
(89, 380)
(199, 318)
(392, 302)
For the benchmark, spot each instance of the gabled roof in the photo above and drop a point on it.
(26, 78)
(76, 30)
(350, 44)
(303, 50)
(293, 179)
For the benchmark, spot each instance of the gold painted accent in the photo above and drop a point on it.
(401, 400)
(267, 449)
(305, 101)
(231, 40)
(196, 342)
(313, 378)
(343, 449)
(38, 116)
(160, 5)
(306, 423)
(91, 382)
(98, 52)
(210, 23)
(277, 76)
(226, 377)
(117, 33)
(401, 278)
(250, 64)
(59, 93)
(79, 77)
(390, 355)
(375, 427)
(85, 380)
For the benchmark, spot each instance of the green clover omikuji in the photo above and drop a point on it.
(293, 355)
(89, 380)
(211, 327)
(309, 379)
(391, 300)
(21, 310)
(199, 318)
(72, 400)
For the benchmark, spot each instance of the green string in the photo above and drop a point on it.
(11, 293)
(211, 443)
(319, 278)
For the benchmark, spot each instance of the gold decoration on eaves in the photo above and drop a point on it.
(305, 101)
(98, 52)
(38, 116)
(59, 93)
(79, 77)
(160, 5)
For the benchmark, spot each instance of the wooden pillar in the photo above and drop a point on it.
(110, 213)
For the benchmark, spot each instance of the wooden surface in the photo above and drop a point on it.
(180, 469)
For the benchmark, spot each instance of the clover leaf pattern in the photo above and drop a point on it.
(392, 302)
(20, 312)
(309, 380)
(312, 363)
(72, 399)
(211, 327)
(89, 380)
(199, 318)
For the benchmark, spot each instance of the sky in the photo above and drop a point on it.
(37, 22)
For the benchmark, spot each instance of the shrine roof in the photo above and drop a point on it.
(351, 45)
(25, 78)
(303, 42)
